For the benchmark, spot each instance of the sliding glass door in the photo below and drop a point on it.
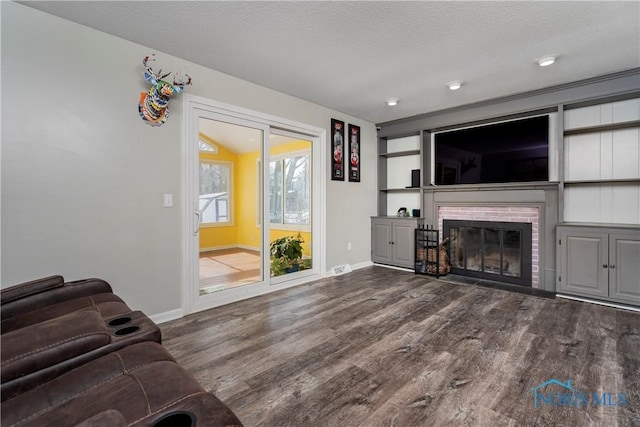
(251, 204)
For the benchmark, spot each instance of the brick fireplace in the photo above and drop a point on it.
(535, 203)
(500, 214)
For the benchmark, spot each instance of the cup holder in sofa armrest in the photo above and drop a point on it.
(133, 326)
(176, 419)
(126, 331)
(119, 321)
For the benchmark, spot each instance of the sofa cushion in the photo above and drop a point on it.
(108, 418)
(141, 382)
(44, 344)
(122, 330)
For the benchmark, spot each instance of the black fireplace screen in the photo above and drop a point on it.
(498, 251)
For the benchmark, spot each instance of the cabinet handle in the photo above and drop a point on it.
(612, 266)
(605, 266)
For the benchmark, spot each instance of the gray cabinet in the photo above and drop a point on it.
(599, 262)
(392, 240)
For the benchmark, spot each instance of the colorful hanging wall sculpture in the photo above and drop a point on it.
(153, 105)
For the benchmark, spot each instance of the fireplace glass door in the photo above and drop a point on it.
(493, 250)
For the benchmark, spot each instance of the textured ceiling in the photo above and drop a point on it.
(351, 56)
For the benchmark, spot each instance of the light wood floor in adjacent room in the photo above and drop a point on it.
(227, 268)
(382, 347)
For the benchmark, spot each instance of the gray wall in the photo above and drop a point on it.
(83, 177)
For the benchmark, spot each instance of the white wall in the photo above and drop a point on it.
(83, 177)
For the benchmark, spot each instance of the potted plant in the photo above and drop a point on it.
(286, 254)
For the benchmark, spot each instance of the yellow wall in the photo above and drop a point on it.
(212, 237)
(245, 231)
(249, 234)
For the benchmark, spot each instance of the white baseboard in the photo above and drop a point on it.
(361, 265)
(218, 248)
(167, 316)
(329, 273)
(608, 304)
(393, 267)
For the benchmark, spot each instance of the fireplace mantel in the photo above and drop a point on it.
(540, 195)
(552, 186)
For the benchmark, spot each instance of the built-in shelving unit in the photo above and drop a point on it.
(393, 237)
(397, 157)
(601, 182)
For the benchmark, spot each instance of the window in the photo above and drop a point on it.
(207, 147)
(290, 189)
(215, 192)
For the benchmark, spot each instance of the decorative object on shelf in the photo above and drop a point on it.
(337, 150)
(415, 178)
(432, 258)
(153, 105)
(286, 254)
(402, 212)
(354, 156)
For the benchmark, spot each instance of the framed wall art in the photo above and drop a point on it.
(337, 150)
(354, 153)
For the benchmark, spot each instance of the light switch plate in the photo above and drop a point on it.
(168, 200)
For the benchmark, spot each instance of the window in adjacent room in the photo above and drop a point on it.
(290, 190)
(216, 188)
(207, 147)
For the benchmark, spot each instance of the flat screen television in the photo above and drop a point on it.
(512, 151)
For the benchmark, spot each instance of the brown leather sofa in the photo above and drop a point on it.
(73, 353)
(139, 385)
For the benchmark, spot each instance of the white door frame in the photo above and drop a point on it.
(192, 105)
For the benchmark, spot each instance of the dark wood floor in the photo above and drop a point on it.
(381, 347)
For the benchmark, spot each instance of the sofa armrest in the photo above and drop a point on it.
(30, 288)
(41, 293)
(45, 344)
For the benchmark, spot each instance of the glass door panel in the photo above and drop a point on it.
(491, 251)
(229, 183)
(290, 210)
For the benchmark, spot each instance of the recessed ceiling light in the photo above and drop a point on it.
(546, 60)
(392, 101)
(455, 85)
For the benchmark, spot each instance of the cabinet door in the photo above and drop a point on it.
(584, 264)
(381, 241)
(624, 268)
(403, 244)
